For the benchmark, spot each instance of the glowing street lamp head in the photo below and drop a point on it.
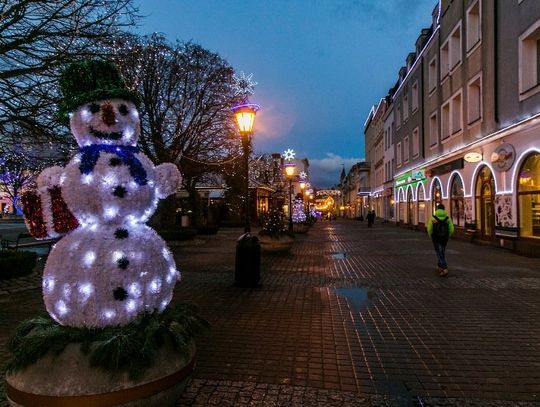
(244, 115)
(302, 184)
(290, 169)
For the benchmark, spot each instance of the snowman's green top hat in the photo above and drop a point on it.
(91, 80)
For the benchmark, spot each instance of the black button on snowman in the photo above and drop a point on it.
(112, 267)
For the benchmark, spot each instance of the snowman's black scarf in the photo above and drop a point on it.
(90, 155)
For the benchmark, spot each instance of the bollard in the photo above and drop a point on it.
(247, 270)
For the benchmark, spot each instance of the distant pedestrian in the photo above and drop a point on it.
(370, 218)
(440, 228)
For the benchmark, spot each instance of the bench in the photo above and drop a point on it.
(25, 240)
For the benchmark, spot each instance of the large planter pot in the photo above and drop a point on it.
(69, 380)
(300, 227)
(276, 245)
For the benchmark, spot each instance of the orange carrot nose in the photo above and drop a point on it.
(107, 115)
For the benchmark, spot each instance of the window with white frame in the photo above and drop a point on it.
(432, 74)
(445, 121)
(414, 96)
(433, 130)
(416, 142)
(455, 47)
(445, 59)
(406, 149)
(474, 99)
(457, 109)
(474, 25)
(405, 107)
(398, 158)
(398, 115)
(529, 61)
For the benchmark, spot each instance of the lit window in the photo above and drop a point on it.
(529, 197)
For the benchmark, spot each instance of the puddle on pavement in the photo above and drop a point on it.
(358, 297)
(339, 255)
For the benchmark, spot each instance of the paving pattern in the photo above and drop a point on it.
(352, 317)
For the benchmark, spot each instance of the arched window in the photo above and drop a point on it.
(529, 197)
(421, 204)
(457, 210)
(436, 195)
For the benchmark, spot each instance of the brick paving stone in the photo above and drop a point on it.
(377, 327)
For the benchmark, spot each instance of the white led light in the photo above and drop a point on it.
(117, 255)
(48, 284)
(109, 314)
(87, 179)
(61, 308)
(163, 305)
(135, 290)
(62, 179)
(109, 180)
(111, 212)
(166, 253)
(66, 289)
(131, 305)
(155, 285)
(86, 115)
(89, 258)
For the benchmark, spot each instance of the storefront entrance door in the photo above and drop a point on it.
(487, 210)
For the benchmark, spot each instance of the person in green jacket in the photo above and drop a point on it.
(439, 229)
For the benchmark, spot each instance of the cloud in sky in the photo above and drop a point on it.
(324, 172)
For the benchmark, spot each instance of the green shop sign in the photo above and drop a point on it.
(410, 177)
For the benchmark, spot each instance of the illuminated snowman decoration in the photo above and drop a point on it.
(112, 267)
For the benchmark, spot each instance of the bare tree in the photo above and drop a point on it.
(187, 92)
(16, 175)
(37, 39)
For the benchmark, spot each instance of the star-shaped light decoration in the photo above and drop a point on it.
(289, 154)
(244, 85)
(303, 175)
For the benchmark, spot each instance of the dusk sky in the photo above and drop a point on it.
(320, 64)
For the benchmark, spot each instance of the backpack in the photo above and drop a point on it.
(440, 229)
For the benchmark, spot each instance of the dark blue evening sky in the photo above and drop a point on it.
(320, 64)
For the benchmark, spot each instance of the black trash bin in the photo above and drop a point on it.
(247, 270)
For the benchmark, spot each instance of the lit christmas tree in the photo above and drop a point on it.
(274, 226)
(298, 214)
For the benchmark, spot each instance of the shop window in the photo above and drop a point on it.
(436, 195)
(421, 205)
(474, 26)
(474, 100)
(529, 197)
(529, 61)
(457, 193)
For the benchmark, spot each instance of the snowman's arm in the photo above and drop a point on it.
(49, 178)
(167, 179)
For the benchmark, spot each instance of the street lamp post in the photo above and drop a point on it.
(289, 171)
(248, 248)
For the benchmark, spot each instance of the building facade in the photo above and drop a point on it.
(466, 113)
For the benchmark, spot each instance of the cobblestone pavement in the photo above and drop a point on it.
(353, 317)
